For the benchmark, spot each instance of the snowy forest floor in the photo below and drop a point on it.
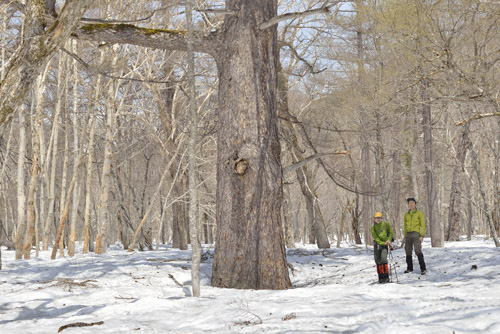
(334, 292)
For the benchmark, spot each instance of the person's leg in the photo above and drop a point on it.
(420, 256)
(385, 267)
(409, 239)
(378, 256)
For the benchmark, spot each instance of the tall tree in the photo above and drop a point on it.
(42, 36)
(250, 250)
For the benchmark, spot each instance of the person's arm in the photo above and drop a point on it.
(376, 237)
(390, 236)
(404, 231)
(422, 226)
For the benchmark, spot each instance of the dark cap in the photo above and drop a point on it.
(411, 199)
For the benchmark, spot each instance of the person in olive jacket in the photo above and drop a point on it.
(382, 236)
(414, 231)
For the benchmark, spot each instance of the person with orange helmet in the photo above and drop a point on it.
(382, 236)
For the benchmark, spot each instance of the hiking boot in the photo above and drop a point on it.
(408, 271)
(423, 272)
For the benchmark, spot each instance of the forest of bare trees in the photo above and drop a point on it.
(248, 124)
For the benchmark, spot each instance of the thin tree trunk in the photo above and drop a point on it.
(76, 153)
(486, 207)
(366, 186)
(469, 212)
(66, 203)
(433, 214)
(21, 197)
(396, 194)
(53, 144)
(455, 205)
(35, 166)
(414, 161)
(340, 233)
(103, 215)
(287, 219)
(193, 168)
(314, 213)
(64, 181)
(90, 158)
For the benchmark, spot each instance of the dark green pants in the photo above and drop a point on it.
(379, 253)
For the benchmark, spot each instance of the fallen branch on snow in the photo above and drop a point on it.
(80, 324)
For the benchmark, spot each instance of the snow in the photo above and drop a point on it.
(335, 291)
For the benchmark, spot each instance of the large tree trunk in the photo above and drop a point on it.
(250, 250)
(179, 217)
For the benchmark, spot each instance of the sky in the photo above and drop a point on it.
(335, 291)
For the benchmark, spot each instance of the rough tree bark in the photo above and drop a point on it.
(432, 215)
(250, 251)
(456, 188)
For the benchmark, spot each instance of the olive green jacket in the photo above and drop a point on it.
(414, 222)
(381, 232)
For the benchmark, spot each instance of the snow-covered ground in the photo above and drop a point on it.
(334, 292)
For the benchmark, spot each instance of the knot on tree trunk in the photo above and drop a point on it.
(241, 166)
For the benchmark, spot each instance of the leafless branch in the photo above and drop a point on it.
(216, 11)
(296, 54)
(12, 3)
(477, 116)
(89, 19)
(294, 15)
(80, 324)
(299, 164)
(95, 71)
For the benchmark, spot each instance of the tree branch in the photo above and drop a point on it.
(299, 164)
(88, 19)
(151, 38)
(94, 71)
(216, 11)
(475, 117)
(296, 54)
(294, 15)
(18, 5)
